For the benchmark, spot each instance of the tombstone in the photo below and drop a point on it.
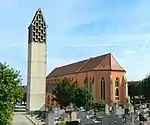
(132, 109)
(115, 109)
(126, 111)
(133, 119)
(62, 111)
(82, 109)
(106, 109)
(73, 116)
(56, 112)
(50, 118)
(91, 112)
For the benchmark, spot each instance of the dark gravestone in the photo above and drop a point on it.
(126, 111)
(72, 123)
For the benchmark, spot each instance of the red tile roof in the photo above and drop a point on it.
(86, 65)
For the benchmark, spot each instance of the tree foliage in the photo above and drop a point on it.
(132, 86)
(64, 92)
(82, 97)
(10, 92)
(139, 88)
(99, 105)
(146, 87)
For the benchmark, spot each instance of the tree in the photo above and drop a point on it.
(133, 89)
(99, 105)
(10, 92)
(146, 86)
(64, 92)
(82, 97)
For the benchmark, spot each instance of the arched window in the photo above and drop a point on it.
(86, 82)
(117, 82)
(117, 92)
(102, 89)
(91, 85)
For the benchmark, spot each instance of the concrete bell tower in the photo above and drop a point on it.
(37, 54)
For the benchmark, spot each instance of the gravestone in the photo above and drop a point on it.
(115, 108)
(73, 116)
(106, 109)
(50, 118)
(56, 112)
(133, 119)
(91, 112)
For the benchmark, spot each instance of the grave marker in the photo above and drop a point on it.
(73, 116)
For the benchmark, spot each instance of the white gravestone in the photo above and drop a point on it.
(50, 118)
(73, 116)
(106, 109)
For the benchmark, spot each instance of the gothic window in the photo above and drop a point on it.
(117, 82)
(86, 82)
(102, 89)
(117, 92)
(91, 85)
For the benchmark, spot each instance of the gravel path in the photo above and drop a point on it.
(21, 119)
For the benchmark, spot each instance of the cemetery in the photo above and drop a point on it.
(70, 116)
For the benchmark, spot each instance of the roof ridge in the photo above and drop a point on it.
(84, 64)
(83, 60)
(101, 55)
(72, 63)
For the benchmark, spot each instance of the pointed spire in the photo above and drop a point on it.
(37, 28)
(38, 17)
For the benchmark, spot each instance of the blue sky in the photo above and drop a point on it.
(79, 29)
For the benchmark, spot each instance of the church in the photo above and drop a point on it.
(101, 75)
